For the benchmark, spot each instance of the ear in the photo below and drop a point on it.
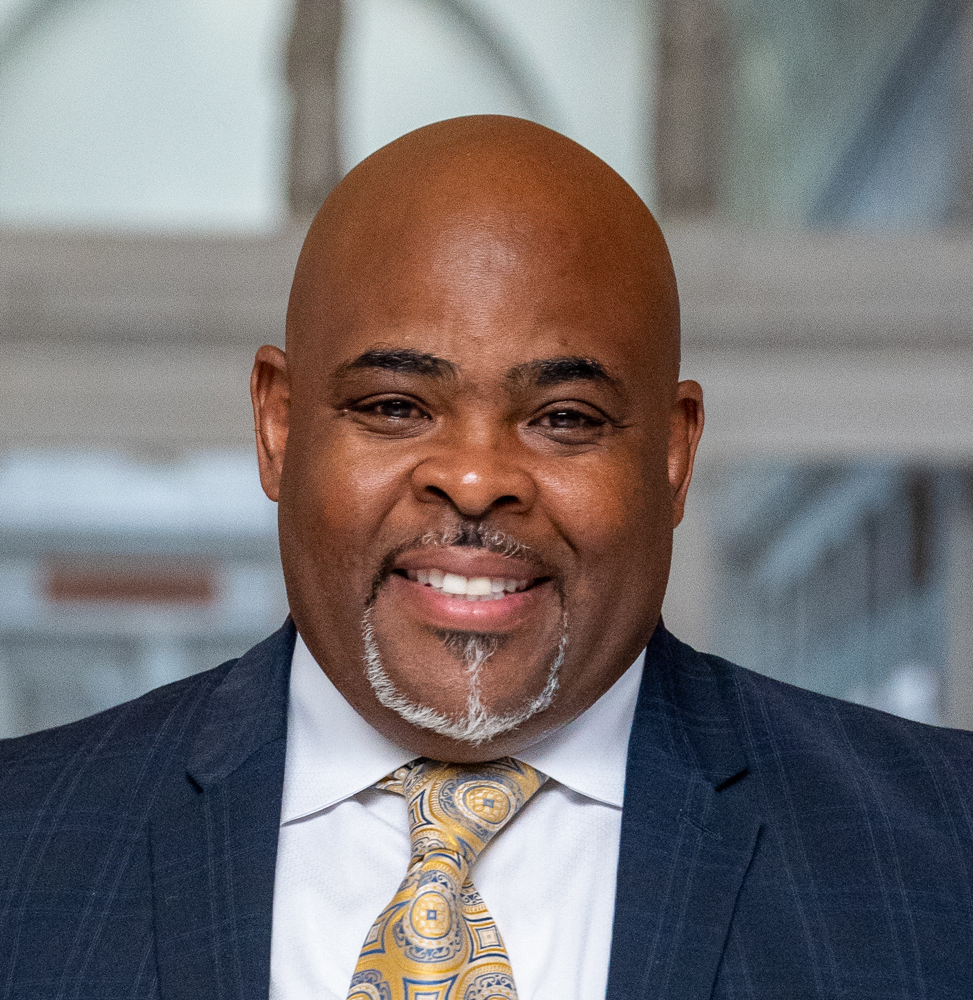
(685, 430)
(271, 396)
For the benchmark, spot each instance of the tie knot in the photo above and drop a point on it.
(462, 807)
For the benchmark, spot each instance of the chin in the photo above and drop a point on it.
(469, 655)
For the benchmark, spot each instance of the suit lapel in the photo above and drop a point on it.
(214, 842)
(689, 829)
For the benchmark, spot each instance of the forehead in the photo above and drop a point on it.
(483, 290)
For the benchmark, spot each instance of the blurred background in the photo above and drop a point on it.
(811, 161)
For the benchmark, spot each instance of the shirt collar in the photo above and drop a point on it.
(589, 754)
(333, 753)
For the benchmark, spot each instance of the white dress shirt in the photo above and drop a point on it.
(548, 878)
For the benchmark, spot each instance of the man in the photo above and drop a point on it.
(480, 447)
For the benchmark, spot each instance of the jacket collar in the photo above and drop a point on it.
(689, 829)
(246, 711)
(682, 712)
(214, 840)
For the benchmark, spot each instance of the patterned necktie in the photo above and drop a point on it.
(436, 940)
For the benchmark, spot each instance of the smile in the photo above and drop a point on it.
(469, 588)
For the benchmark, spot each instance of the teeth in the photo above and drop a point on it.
(454, 584)
(475, 588)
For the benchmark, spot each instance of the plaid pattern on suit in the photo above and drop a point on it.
(775, 843)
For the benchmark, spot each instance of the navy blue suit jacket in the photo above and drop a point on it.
(775, 843)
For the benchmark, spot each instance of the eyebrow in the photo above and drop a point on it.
(553, 371)
(402, 361)
(539, 372)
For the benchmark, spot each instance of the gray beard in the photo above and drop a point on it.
(476, 725)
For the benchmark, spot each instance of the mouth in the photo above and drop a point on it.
(468, 588)
(441, 609)
(457, 587)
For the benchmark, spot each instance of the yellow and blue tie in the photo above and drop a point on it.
(436, 940)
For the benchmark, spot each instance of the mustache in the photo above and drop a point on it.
(465, 534)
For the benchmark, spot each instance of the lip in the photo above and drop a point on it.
(469, 562)
(444, 611)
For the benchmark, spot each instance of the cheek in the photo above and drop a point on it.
(613, 513)
(335, 500)
(618, 525)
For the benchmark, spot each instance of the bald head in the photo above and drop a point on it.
(487, 194)
(476, 436)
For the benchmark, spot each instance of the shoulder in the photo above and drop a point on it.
(78, 803)
(127, 760)
(772, 710)
(109, 755)
(781, 711)
(825, 750)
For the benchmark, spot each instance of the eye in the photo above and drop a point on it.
(389, 414)
(569, 420)
(570, 424)
(396, 409)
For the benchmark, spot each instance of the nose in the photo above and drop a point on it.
(475, 477)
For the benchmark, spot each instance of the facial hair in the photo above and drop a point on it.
(477, 725)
